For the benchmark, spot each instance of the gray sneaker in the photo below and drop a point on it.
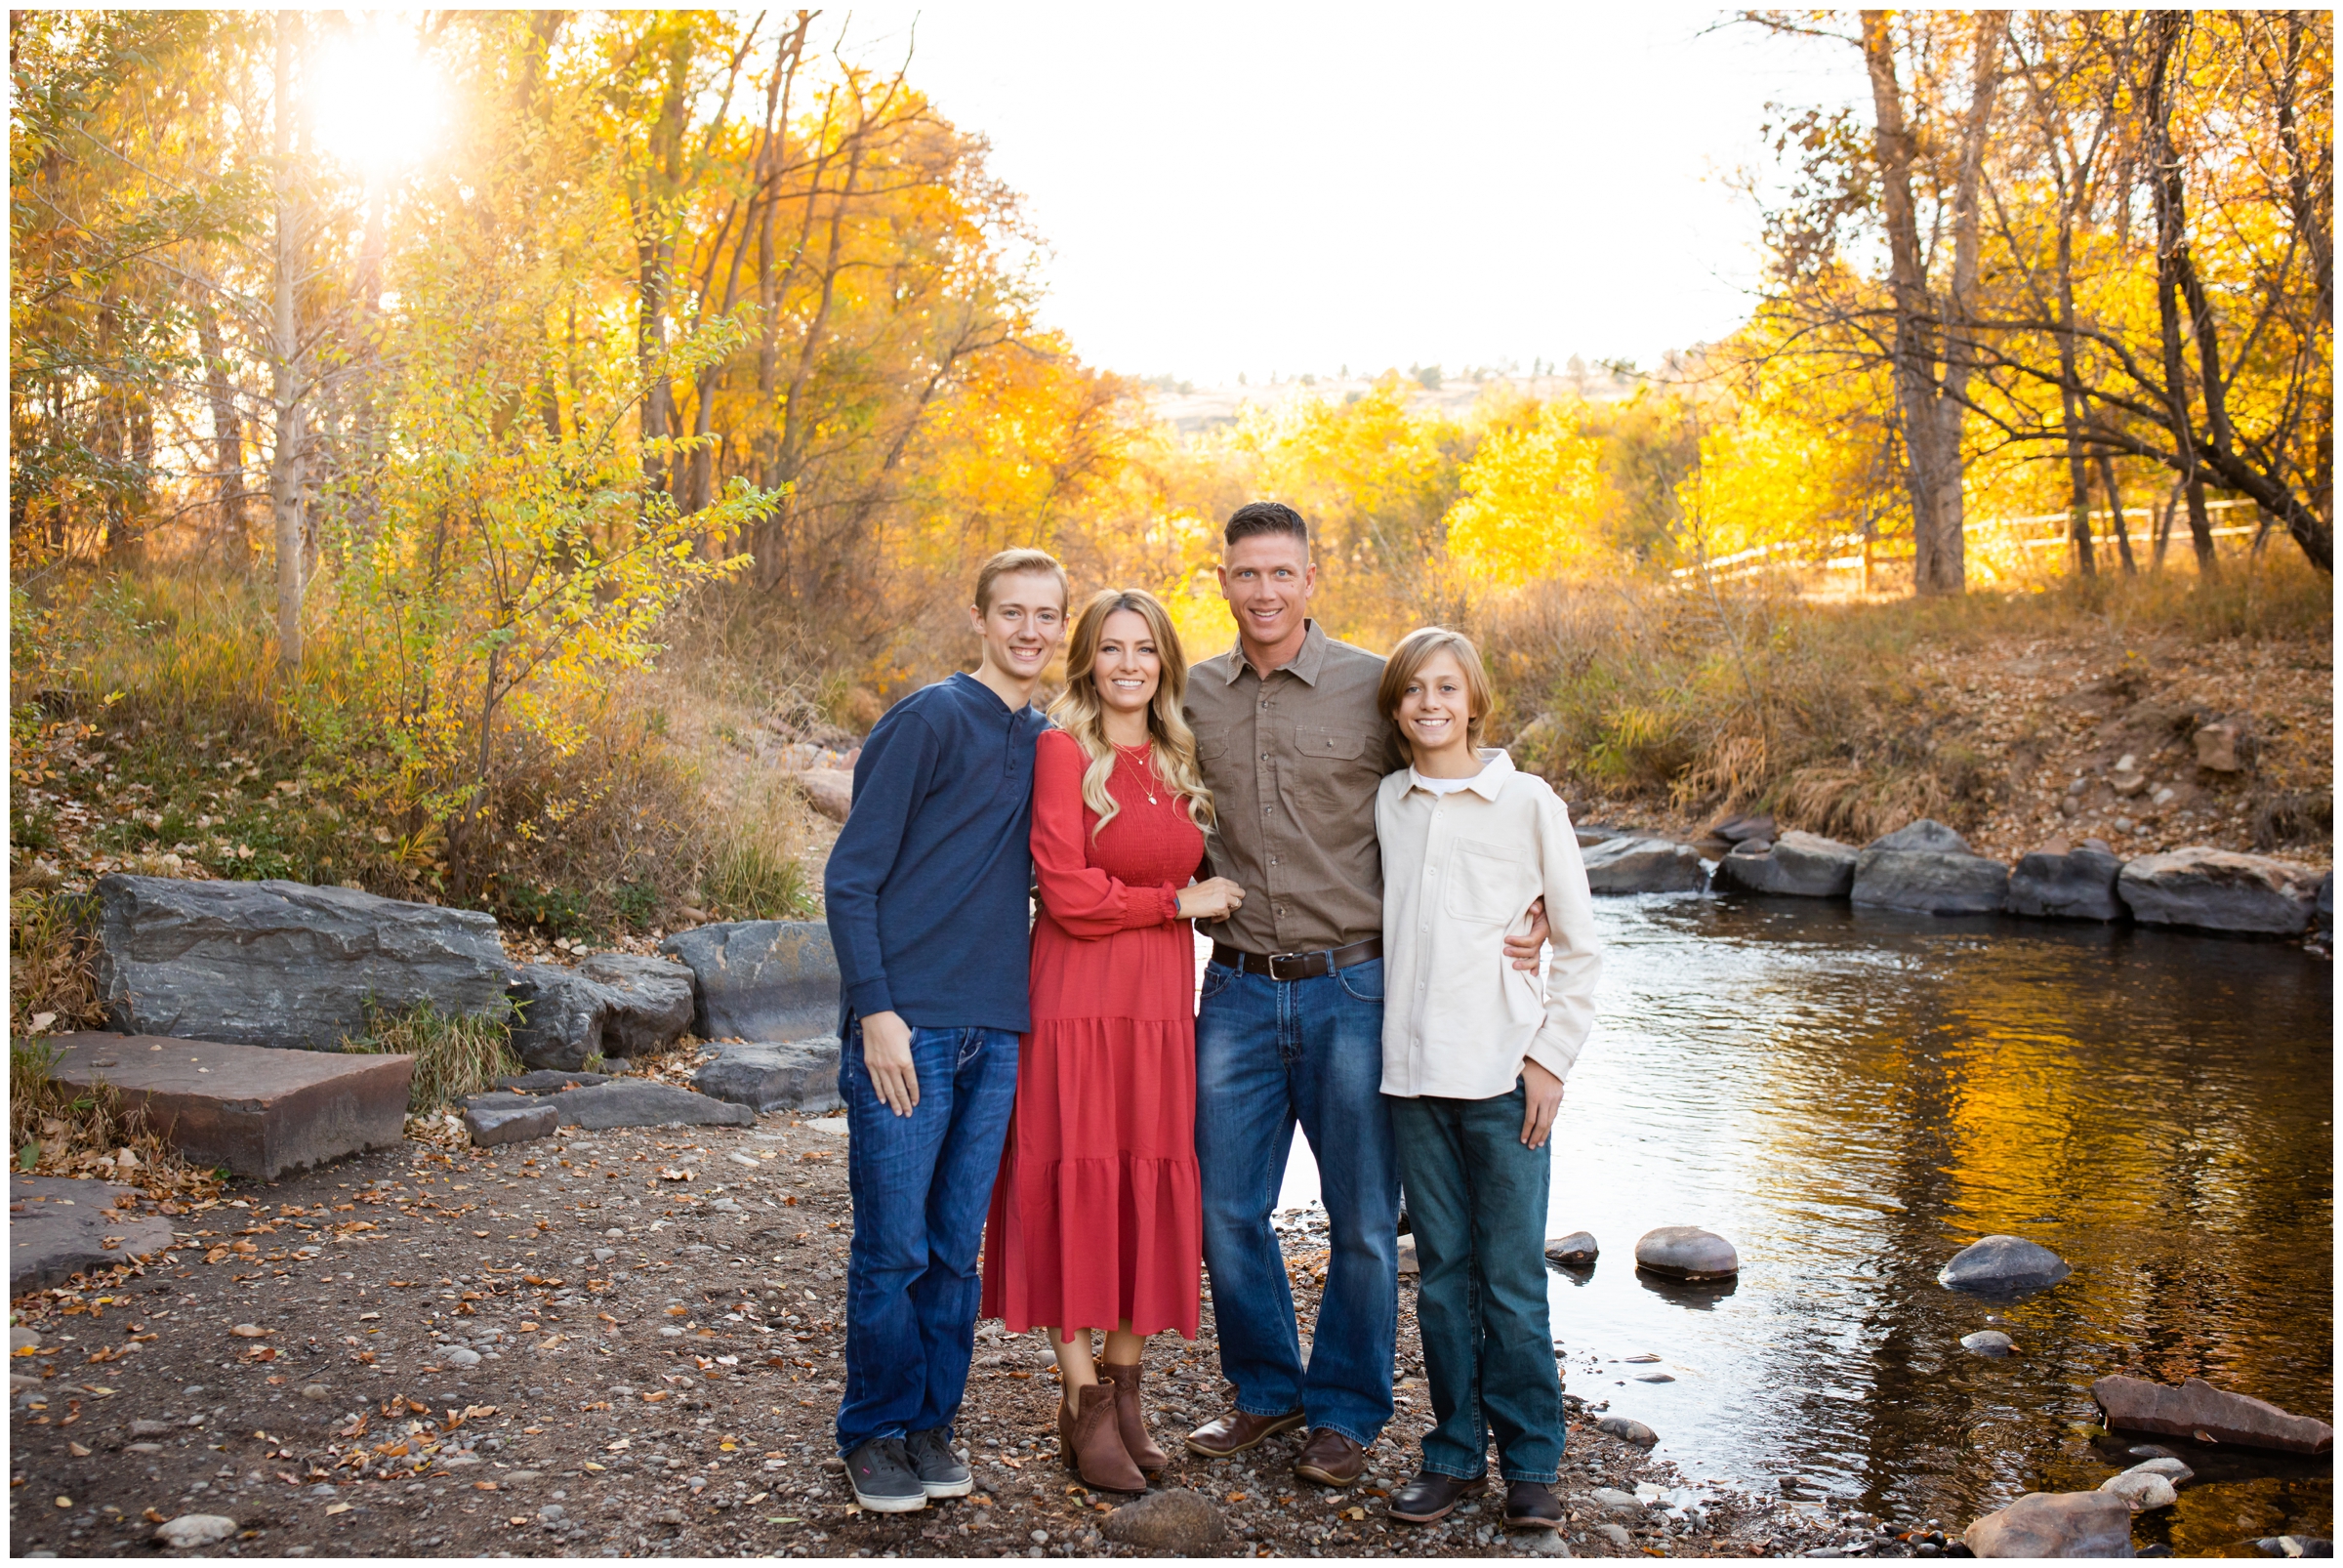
(941, 1473)
(883, 1477)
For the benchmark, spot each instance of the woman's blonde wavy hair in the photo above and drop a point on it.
(1080, 714)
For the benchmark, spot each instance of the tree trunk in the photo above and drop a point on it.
(287, 393)
(2115, 515)
(2164, 29)
(228, 444)
(1951, 407)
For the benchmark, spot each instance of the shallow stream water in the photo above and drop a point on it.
(1852, 1098)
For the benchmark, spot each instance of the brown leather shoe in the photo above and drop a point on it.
(1330, 1458)
(1432, 1496)
(1237, 1432)
(1531, 1505)
(1091, 1446)
(1131, 1419)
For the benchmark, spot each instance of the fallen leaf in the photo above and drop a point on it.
(250, 1330)
(77, 1451)
(337, 1507)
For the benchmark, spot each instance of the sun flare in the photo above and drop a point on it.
(378, 106)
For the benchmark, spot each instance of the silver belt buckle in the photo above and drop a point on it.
(1276, 960)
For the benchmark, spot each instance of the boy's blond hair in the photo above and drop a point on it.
(1413, 651)
(1010, 562)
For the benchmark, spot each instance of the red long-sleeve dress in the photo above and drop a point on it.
(1096, 1215)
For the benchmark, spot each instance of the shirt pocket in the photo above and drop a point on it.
(1486, 883)
(1335, 768)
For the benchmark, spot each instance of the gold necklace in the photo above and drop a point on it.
(1146, 774)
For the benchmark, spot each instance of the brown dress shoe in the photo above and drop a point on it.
(1237, 1432)
(1131, 1419)
(1432, 1496)
(1090, 1444)
(1330, 1458)
(1533, 1505)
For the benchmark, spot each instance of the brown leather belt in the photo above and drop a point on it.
(1299, 965)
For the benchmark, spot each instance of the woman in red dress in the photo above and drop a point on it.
(1095, 1222)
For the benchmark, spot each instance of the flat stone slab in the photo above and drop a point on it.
(797, 1075)
(1640, 865)
(257, 1111)
(760, 979)
(283, 963)
(2221, 890)
(2198, 1410)
(2003, 1263)
(511, 1123)
(639, 1102)
(61, 1226)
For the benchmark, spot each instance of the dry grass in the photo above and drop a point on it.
(454, 1056)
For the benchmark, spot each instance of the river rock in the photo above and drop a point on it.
(1798, 865)
(2002, 1263)
(2221, 890)
(2222, 748)
(2067, 885)
(1610, 1499)
(760, 979)
(1988, 1342)
(550, 1083)
(2136, 1405)
(1407, 1256)
(2170, 1467)
(2143, 1491)
(283, 963)
(2323, 909)
(801, 1075)
(1927, 868)
(57, 1226)
(656, 1003)
(1643, 865)
(494, 1124)
(612, 1005)
(2055, 1524)
(828, 790)
(1687, 1251)
(640, 1102)
(1574, 1250)
(1741, 829)
(1628, 1430)
(195, 1530)
(1176, 1523)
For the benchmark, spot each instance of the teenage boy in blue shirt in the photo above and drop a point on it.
(928, 900)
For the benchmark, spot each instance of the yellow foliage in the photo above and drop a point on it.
(1531, 501)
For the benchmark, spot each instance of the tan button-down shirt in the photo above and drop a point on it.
(1461, 871)
(1293, 763)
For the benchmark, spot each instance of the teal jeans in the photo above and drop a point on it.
(1476, 1203)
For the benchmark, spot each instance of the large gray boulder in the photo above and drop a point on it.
(760, 979)
(2055, 1524)
(1928, 869)
(801, 1075)
(2067, 885)
(2198, 1410)
(612, 1005)
(1686, 1252)
(2221, 890)
(1641, 865)
(2003, 1263)
(282, 962)
(1798, 865)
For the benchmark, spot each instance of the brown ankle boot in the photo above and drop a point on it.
(1131, 1419)
(1091, 1445)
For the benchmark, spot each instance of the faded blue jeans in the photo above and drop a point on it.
(1477, 1207)
(921, 1184)
(1270, 1053)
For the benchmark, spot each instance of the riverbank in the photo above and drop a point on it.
(626, 1343)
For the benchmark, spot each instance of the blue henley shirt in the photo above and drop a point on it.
(927, 887)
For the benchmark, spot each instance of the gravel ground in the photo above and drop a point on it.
(655, 1317)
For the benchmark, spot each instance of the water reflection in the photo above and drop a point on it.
(1852, 1100)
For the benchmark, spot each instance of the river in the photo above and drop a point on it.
(1852, 1098)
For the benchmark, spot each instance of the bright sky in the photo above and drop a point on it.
(1287, 187)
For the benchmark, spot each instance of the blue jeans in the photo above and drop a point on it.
(921, 1184)
(1269, 1053)
(1476, 1206)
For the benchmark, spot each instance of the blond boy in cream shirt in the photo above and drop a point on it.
(1474, 1055)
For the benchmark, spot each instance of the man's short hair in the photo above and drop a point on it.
(1265, 516)
(1039, 563)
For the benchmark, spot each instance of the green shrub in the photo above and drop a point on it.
(455, 1057)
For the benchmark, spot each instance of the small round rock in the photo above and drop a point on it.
(1988, 1342)
(195, 1530)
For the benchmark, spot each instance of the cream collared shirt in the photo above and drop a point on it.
(1461, 871)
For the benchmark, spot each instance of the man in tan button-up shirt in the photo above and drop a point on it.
(1289, 1026)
